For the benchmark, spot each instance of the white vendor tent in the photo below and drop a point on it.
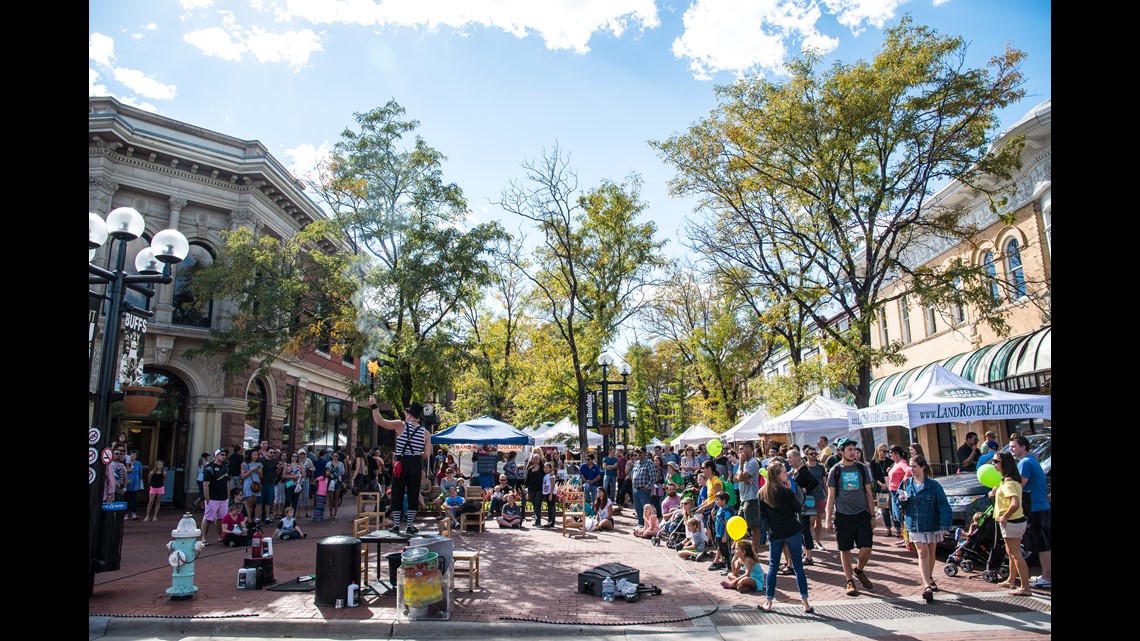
(696, 434)
(549, 438)
(941, 396)
(748, 429)
(817, 416)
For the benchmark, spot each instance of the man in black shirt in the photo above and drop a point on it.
(968, 454)
(268, 484)
(215, 487)
(235, 461)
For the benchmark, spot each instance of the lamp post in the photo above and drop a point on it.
(124, 224)
(606, 428)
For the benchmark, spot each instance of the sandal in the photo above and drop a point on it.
(934, 586)
(786, 571)
(1020, 592)
(809, 562)
(1007, 585)
(928, 594)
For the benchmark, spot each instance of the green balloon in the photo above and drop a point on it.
(714, 447)
(989, 476)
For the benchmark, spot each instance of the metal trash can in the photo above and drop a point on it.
(338, 565)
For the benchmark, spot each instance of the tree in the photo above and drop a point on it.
(281, 297)
(832, 172)
(593, 262)
(423, 267)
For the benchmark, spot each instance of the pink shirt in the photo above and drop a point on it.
(897, 474)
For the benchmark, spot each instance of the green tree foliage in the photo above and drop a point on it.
(423, 267)
(281, 297)
(823, 182)
(593, 260)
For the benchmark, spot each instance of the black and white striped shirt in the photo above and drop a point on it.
(410, 442)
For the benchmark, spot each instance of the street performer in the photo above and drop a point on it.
(413, 446)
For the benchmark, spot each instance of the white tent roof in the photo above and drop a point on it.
(565, 426)
(817, 414)
(748, 428)
(699, 433)
(941, 396)
(327, 440)
(656, 441)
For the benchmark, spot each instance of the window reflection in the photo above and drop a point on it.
(187, 309)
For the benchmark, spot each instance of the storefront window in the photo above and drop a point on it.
(326, 421)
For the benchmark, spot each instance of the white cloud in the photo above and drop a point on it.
(857, 14)
(94, 88)
(101, 49)
(143, 84)
(231, 42)
(190, 5)
(305, 159)
(746, 35)
(562, 24)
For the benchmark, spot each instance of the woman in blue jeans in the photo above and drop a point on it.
(780, 509)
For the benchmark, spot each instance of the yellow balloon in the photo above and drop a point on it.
(737, 527)
(714, 447)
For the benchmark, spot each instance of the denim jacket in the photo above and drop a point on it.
(927, 510)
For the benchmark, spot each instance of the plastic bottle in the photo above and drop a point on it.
(353, 593)
(608, 589)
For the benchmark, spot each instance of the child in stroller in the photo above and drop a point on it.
(981, 546)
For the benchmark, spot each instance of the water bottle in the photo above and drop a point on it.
(608, 589)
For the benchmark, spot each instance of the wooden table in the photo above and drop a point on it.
(380, 537)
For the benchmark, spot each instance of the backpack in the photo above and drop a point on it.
(730, 489)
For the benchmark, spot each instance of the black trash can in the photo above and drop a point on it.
(394, 562)
(338, 565)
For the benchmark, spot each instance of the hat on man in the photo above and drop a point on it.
(219, 451)
(992, 445)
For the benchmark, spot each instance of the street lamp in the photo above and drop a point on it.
(606, 428)
(124, 224)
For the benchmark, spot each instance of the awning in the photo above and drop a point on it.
(992, 365)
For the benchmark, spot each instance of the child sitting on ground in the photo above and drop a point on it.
(747, 574)
(234, 533)
(511, 516)
(288, 528)
(652, 523)
(693, 547)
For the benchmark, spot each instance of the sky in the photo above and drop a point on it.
(496, 83)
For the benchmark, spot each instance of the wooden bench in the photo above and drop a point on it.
(466, 564)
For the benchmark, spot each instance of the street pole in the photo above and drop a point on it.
(124, 224)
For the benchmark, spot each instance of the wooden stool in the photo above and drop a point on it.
(473, 518)
(573, 521)
(444, 525)
(466, 564)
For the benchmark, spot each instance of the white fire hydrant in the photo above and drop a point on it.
(183, 550)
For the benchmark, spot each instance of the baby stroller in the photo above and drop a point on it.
(671, 534)
(984, 548)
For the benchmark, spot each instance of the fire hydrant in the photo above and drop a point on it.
(183, 550)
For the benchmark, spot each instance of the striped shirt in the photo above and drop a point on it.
(410, 442)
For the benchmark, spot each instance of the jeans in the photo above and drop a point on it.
(611, 488)
(775, 553)
(589, 491)
(536, 505)
(640, 500)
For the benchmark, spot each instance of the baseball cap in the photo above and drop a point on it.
(219, 451)
(993, 446)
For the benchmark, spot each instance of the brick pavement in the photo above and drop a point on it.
(528, 574)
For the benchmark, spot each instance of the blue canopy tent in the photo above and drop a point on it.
(482, 430)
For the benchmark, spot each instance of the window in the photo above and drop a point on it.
(884, 337)
(991, 273)
(255, 413)
(187, 309)
(957, 311)
(1014, 271)
(904, 320)
(930, 315)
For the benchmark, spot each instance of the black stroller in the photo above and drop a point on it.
(671, 534)
(984, 548)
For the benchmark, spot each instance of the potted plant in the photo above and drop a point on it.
(138, 399)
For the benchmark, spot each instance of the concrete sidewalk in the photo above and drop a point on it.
(528, 585)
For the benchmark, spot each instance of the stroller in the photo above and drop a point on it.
(984, 548)
(671, 534)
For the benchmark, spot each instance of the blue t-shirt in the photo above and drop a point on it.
(610, 460)
(1030, 469)
(722, 516)
(454, 501)
(986, 458)
(590, 472)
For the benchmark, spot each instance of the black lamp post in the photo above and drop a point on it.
(124, 224)
(606, 428)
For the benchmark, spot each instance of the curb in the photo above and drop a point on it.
(162, 627)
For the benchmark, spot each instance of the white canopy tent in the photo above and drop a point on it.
(696, 434)
(748, 429)
(941, 396)
(550, 437)
(326, 441)
(817, 416)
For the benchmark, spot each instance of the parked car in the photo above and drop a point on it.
(968, 496)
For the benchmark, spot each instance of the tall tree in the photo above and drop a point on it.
(837, 169)
(593, 261)
(423, 266)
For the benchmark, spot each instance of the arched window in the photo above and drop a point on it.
(957, 311)
(187, 309)
(1013, 270)
(991, 273)
(255, 412)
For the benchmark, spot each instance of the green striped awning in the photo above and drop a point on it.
(986, 365)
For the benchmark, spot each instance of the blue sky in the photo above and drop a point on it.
(495, 83)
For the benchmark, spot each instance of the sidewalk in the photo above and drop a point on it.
(528, 580)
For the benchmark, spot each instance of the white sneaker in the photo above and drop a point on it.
(1041, 582)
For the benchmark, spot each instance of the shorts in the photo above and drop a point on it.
(853, 530)
(158, 490)
(750, 510)
(1038, 535)
(267, 492)
(1013, 530)
(215, 510)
